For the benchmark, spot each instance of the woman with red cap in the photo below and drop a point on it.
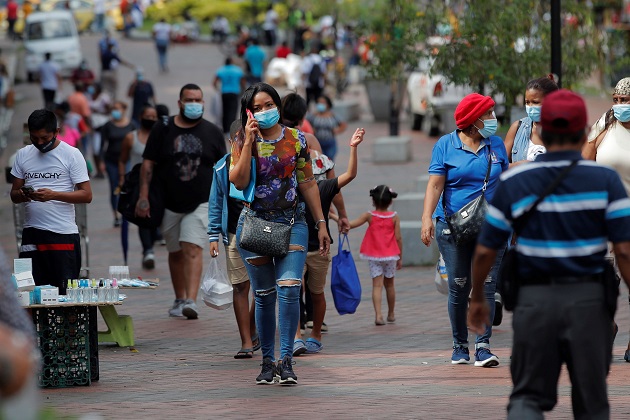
(460, 163)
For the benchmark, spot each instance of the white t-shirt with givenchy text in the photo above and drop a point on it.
(59, 170)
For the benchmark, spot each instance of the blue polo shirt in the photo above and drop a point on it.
(567, 234)
(230, 77)
(255, 57)
(465, 170)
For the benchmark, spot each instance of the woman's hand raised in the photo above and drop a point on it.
(251, 129)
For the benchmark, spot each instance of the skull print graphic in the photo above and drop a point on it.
(187, 152)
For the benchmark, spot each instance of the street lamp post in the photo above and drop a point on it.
(556, 46)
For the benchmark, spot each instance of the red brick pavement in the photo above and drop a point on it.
(185, 369)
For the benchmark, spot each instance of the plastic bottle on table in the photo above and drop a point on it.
(115, 291)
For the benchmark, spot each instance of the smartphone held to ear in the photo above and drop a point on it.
(249, 114)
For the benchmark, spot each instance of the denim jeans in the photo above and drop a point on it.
(265, 280)
(112, 175)
(458, 260)
(161, 47)
(329, 148)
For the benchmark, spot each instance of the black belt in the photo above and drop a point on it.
(549, 280)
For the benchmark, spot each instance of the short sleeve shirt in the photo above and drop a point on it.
(230, 77)
(281, 165)
(162, 31)
(184, 160)
(255, 57)
(48, 72)
(567, 233)
(464, 171)
(61, 169)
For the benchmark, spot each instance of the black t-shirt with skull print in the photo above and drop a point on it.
(184, 159)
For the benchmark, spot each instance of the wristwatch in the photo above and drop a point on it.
(318, 222)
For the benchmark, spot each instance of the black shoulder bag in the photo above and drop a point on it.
(508, 271)
(466, 223)
(130, 193)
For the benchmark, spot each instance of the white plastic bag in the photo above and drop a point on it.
(441, 277)
(216, 289)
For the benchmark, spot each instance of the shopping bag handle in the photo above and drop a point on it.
(341, 242)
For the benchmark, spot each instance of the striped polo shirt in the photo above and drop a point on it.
(567, 234)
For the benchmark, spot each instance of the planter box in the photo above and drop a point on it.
(392, 149)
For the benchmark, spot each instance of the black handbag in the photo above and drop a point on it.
(465, 224)
(508, 271)
(264, 237)
(128, 197)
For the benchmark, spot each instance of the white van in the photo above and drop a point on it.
(54, 32)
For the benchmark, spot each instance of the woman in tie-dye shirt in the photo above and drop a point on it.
(283, 166)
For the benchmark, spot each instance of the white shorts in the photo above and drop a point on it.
(380, 268)
(185, 227)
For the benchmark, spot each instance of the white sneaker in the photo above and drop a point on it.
(189, 309)
(148, 262)
(176, 310)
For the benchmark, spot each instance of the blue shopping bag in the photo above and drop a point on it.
(345, 284)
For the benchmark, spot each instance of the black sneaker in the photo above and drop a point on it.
(285, 368)
(267, 373)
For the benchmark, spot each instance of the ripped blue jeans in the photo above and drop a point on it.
(458, 261)
(266, 275)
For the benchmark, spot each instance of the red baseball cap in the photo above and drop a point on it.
(563, 112)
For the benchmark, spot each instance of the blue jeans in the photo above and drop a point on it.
(458, 260)
(161, 47)
(265, 280)
(329, 148)
(112, 175)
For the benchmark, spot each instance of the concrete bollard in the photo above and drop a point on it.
(409, 206)
(347, 110)
(391, 149)
(414, 251)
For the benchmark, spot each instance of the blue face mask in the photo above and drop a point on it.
(193, 110)
(267, 119)
(321, 108)
(489, 127)
(91, 90)
(116, 114)
(622, 112)
(533, 112)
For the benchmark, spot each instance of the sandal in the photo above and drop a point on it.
(244, 354)
(255, 343)
(299, 347)
(313, 346)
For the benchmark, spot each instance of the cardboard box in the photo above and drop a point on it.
(25, 298)
(46, 295)
(23, 281)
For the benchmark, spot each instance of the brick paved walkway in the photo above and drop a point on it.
(185, 369)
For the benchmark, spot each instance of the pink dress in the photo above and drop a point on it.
(379, 242)
(70, 136)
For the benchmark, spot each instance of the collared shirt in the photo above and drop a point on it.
(464, 170)
(568, 232)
